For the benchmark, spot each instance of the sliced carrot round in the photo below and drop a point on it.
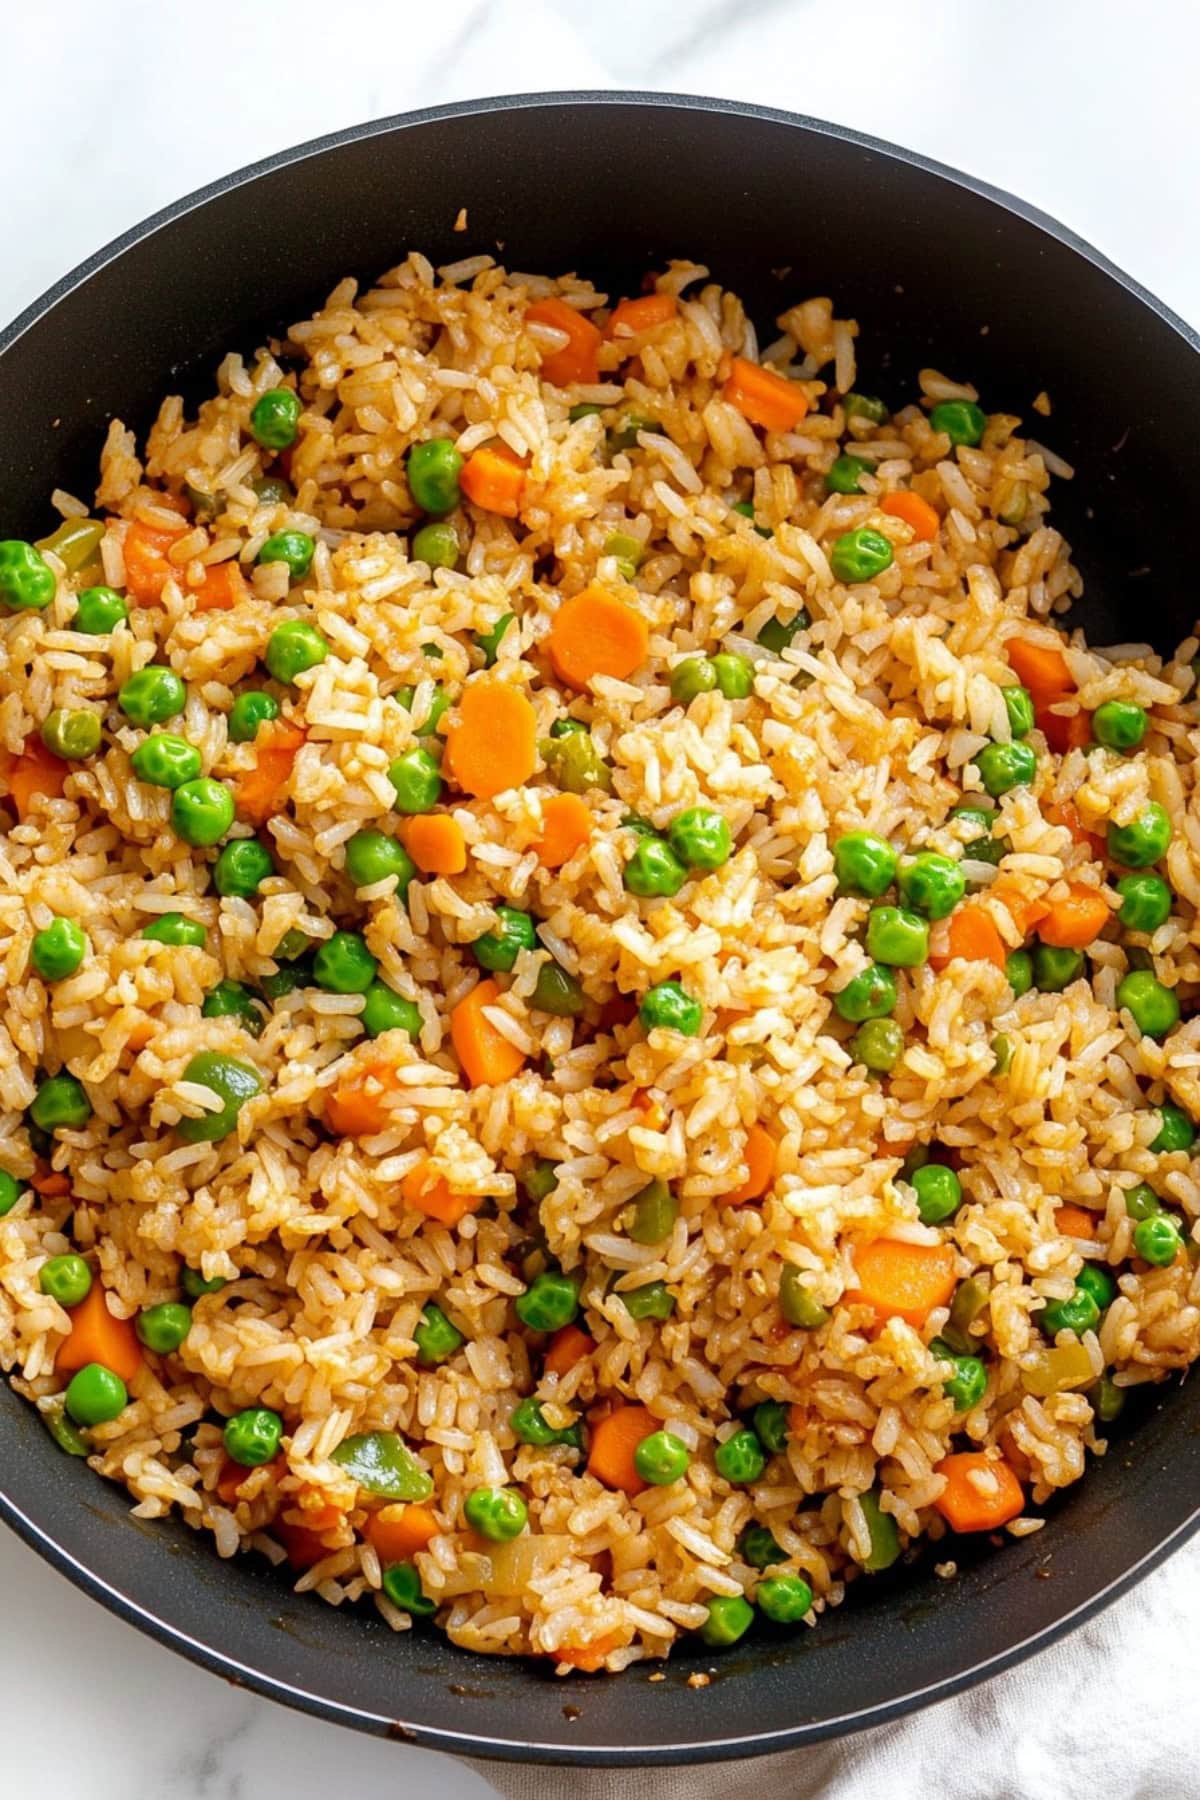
(760, 1163)
(1075, 921)
(916, 513)
(596, 634)
(423, 1191)
(903, 1280)
(981, 1492)
(613, 1444)
(763, 397)
(566, 825)
(492, 743)
(486, 1055)
(576, 360)
(436, 844)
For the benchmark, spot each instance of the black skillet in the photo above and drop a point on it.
(939, 269)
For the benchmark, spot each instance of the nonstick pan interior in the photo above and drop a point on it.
(937, 270)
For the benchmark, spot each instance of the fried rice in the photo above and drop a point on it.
(864, 709)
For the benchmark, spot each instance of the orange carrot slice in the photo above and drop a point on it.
(596, 634)
(304, 1547)
(492, 478)
(566, 824)
(232, 1475)
(436, 844)
(35, 771)
(492, 743)
(915, 512)
(97, 1337)
(1075, 921)
(760, 1160)
(631, 317)
(655, 1113)
(259, 792)
(1024, 909)
(568, 1346)
(431, 1194)
(486, 1055)
(1075, 1222)
(222, 588)
(356, 1106)
(146, 566)
(968, 1507)
(590, 1658)
(1041, 668)
(613, 1443)
(903, 1280)
(398, 1531)
(576, 361)
(764, 397)
(968, 935)
(1066, 813)
(1064, 731)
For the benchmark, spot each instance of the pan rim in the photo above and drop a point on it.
(462, 1741)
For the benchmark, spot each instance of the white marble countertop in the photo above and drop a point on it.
(112, 111)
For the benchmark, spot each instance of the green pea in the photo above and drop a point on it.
(635, 822)
(968, 1384)
(629, 551)
(295, 549)
(1119, 725)
(60, 1104)
(1018, 703)
(585, 409)
(735, 675)
(878, 1045)
(654, 870)
(540, 1179)
(796, 1302)
(58, 950)
(385, 1010)
(288, 979)
(173, 928)
(437, 545)
(1002, 1051)
(194, 1284)
(233, 1000)
(1154, 1008)
(653, 1300)
(865, 406)
(883, 1533)
(232, 1082)
(252, 1437)
(10, 1192)
(1079, 1313)
(757, 1547)
(746, 509)
(655, 1210)
(931, 883)
(151, 696)
(1055, 969)
(76, 543)
(985, 849)
(71, 735)
(550, 1301)
(1145, 902)
(865, 863)
(969, 1302)
(531, 1427)
(433, 471)
(27, 581)
(1108, 1400)
(273, 490)
(624, 435)
(1141, 1201)
(573, 758)
(694, 675)
(1143, 841)
(98, 612)
(741, 1458)
(63, 1430)
(845, 475)
(202, 811)
(162, 1328)
(439, 704)
(66, 1279)
(939, 1192)
(417, 781)
(962, 421)
(1175, 1132)
(730, 1617)
(373, 856)
(241, 868)
(897, 937)
(1096, 1280)
(776, 635)
(771, 1425)
(275, 417)
(860, 555)
(96, 1395)
(344, 965)
(489, 641)
(293, 647)
(784, 1599)
(496, 1513)
(164, 760)
(436, 1338)
(1003, 767)
(667, 1007)
(1018, 967)
(402, 1585)
(382, 1463)
(871, 994)
(249, 712)
(1157, 1240)
(701, 838)
(558, 992)
(661, 1459)
(499, 948)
